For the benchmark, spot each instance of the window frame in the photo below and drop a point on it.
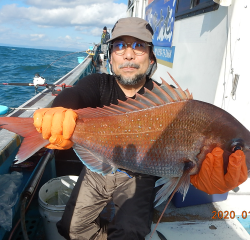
(199, 7)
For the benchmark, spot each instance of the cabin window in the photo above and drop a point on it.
(189, 8)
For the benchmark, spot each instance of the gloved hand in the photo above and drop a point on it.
(211, 178)
(56, 124)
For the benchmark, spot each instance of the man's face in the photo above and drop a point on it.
(129, 67)
(104, 31)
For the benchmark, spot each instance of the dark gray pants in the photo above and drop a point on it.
(104, 49)
(132, 198)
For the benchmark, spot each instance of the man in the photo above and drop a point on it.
(104, 42)
(133, 63)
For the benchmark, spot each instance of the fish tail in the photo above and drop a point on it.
(33, 141)
(183, 184)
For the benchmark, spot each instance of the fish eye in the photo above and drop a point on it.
(237, 147)
(237, 144)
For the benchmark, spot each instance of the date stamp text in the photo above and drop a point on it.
(228, 214)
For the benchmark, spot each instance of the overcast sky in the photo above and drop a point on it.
(64, 24)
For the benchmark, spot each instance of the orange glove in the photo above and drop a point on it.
(56, 124)
(211, 178)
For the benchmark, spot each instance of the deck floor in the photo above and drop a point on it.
(203, 222)
(102, 67)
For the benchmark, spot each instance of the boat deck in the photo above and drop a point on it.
(103, 67)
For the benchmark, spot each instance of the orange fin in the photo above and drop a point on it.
(33, 140)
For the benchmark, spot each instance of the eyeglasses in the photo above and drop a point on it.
(138, 47)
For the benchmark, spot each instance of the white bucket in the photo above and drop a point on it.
(102, 57)
(53, 197)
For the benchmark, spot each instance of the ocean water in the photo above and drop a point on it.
(19, 65)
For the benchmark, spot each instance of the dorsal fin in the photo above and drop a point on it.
(162, 94)
(136, 103)
(158, 96)
(183, 94)
(145, 100)
(128, 105)
(122, 109)
(170, 91)
(153, 97)
(97, 112)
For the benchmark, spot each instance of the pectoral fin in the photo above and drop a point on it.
(93, 161)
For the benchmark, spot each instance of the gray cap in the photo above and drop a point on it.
(134, 27)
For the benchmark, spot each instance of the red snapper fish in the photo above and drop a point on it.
(163, 132)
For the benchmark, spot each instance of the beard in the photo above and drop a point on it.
(129, 81)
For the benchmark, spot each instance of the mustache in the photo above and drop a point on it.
(128, 64)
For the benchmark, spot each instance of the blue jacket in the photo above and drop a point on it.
(105, 38)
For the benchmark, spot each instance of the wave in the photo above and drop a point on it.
(37, 67)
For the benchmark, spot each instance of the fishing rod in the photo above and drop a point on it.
(50, 87)
(39, 81)
(40, 85)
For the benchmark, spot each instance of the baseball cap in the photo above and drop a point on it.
(134, 27)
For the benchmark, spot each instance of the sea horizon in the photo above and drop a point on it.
(52, 48)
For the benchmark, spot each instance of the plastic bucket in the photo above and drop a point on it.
(80, 59)
(53, 197)
(102, 57)
(3, 109)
